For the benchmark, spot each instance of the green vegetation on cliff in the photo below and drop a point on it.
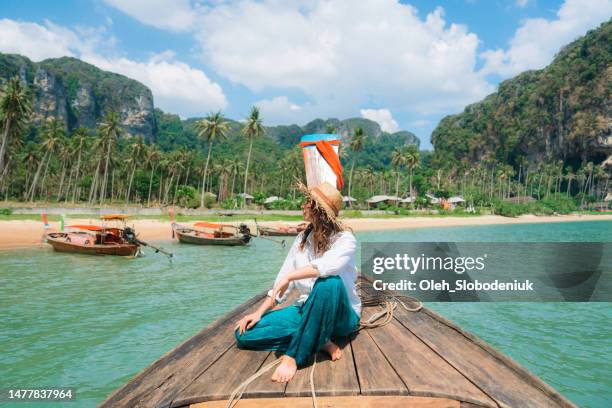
(561, 112)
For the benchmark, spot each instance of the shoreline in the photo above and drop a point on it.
(17, 234)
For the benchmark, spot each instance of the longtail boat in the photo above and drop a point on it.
(207, 233)
(281, 230)
(418, 359)
(96, 240)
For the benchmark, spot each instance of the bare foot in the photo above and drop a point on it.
(333, 350)
(285, 371)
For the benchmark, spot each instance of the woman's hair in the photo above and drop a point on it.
(322, 228)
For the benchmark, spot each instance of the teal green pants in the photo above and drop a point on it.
(300, 331)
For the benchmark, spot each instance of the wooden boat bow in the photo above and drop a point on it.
(418, 358)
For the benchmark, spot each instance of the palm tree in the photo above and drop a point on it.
(53, 132)
(15, 107)
(212, 127)
(31, 161)
(136, 154)
(411, 157)
(356, 145)
(79, 139)
(110, 129)
(253, 128)
(65, 155)
(398, 159)
(153, 155)
(236, 168)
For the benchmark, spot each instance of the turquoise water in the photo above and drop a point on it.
(93, 322)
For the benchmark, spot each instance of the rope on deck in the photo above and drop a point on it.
(239, 390)
(386, 300)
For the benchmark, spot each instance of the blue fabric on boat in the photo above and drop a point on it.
(301, 331)
(318, 136)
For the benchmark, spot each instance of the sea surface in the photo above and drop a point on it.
(93, 322)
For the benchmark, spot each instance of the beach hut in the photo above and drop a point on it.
(377, 200)
(406, 201)
(270, 200)
(248, 199)
(433, 199)
(348, 199)
(600, 206)
(454, 201)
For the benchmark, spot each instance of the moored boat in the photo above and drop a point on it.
(281, 230)
(83, 243)
(96, 240)
(205, 233)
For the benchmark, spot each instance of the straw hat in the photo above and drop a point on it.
(328, 197)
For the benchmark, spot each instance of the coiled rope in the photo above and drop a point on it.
(387, 300)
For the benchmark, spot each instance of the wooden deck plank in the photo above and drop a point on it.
(484, 369)
(264, 386)
(220, 380)
(330, 378)
(421, 369)
(340, 402)
(376, 376)
(157, 384)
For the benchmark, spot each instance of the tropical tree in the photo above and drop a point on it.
(79, 139)
(136, 155)
(15, 109)
(398, 159)
(53, 131)
(110, 130)
(411, 159)
(212, 127)
(356, 145)
(153, 156)
(253, 128)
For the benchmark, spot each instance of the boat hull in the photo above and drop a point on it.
(191, 238)
(61, 245)
(272, 232)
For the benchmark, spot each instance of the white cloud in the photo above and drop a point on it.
(537, 40)
(343, 55)
(174, 15)
(280, 110)
(36, 41)
(176, 86)
(383, 117)
(522, 3)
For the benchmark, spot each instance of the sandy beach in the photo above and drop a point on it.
(24, 234)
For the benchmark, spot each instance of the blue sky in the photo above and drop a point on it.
(404, 64)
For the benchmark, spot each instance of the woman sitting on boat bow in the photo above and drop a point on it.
(321, 267)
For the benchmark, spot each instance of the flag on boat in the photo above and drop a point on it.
(321, 160)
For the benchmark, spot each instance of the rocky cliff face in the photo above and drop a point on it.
(79, 94)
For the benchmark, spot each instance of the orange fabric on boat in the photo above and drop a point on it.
(114, 217)
(207, 225)
(327, 151)
(86, 227)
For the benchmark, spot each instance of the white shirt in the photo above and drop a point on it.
(339, 260)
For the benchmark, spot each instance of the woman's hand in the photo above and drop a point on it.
(248, 321)
(280, 288)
